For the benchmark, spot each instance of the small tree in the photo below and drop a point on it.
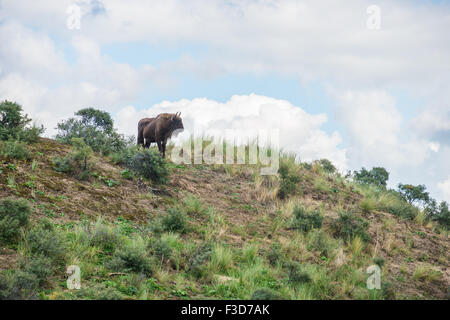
(377, 176)
(327, 165)
(414, 194)
(439, 213)
(95, 127)
(14, 124)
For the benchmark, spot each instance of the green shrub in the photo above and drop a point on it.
(40, 266)
(43, 240)
(175, 220)
(414, 194)
(151, 165)
(348, 225)
(104, 237)
(162, 249)
(14, 149)
(78, 162)
(145, 162)
(197, 265)
(95, 127)
(19, 285)
(134, 257)
(265, 294)
(327, 166)
(319, 240)
(289, 181)
(14, 124)
(275, 254)
(377, 176)
(305, 220)
(14, 215)
(379, 261)
(440, 214)
(297, 273)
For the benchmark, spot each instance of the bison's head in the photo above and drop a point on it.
(176, 122)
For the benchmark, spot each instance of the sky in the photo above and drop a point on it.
(362, 83)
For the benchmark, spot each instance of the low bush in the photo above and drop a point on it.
(14, 215)
(145, 162)
(297, 273)
(289, 183)
(14, 149)
(19, 285)
(40, 266)
(44, 240)
(197, 265)
(175, 220)
(134, 257)
(305, 220)
(78, 162)
(104, 237)
(348, 225)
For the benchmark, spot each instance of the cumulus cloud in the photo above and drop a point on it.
(444, 188)
(377, 130)
(299, 131)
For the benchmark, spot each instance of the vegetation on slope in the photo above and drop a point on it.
(164, 231)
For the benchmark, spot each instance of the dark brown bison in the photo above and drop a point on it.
(160, 129)
(141, 125)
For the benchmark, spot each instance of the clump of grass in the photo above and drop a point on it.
(305, 220)
(392, 203)
(193, 205)
(14, 216)
(427, 273)
(222, 259)
(319, 240)
(275, 254)
(249, 254)
(348, 225)
(367, 204)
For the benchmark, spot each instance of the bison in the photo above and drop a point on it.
(160, 129)
(141, 125)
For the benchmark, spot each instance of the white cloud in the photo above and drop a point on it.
(299, 131)
(444, 188)
(377, 131)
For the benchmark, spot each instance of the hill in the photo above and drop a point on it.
(213, 232)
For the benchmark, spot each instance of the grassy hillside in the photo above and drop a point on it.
(213, 232)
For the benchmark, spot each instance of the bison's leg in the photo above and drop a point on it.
(164, 143)
(159, 145)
